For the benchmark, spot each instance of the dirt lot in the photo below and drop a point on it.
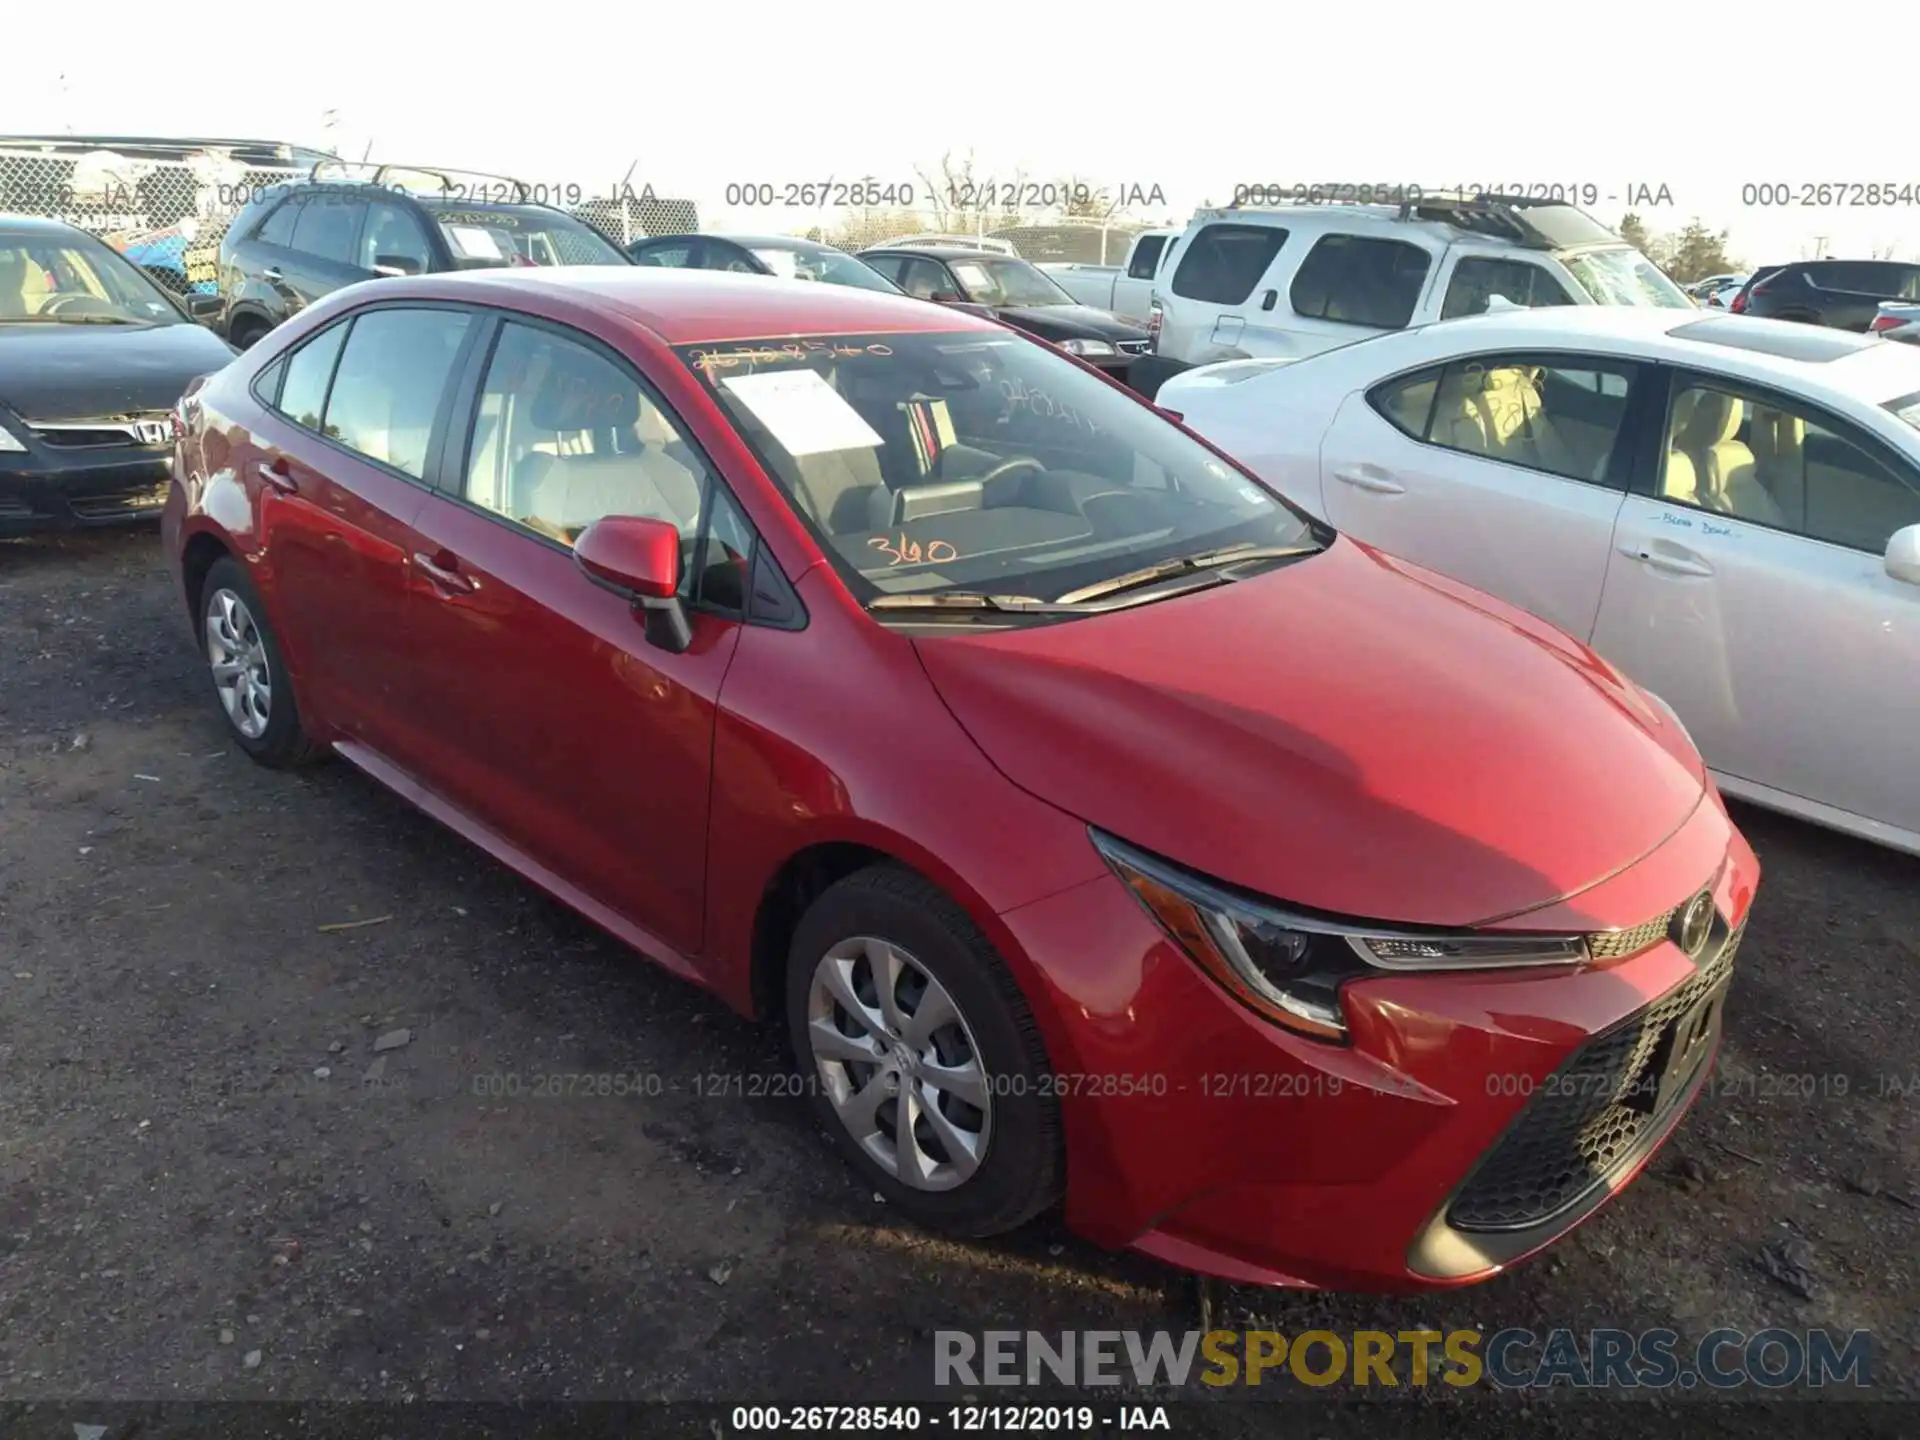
(205, 1163)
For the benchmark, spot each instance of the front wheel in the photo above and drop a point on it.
(921, 1056)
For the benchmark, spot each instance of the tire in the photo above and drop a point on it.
(247, 332)
(257, 701)
(1020, 1160)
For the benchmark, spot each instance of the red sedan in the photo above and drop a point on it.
(1104, 830)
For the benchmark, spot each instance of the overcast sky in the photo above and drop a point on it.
(1616, 96)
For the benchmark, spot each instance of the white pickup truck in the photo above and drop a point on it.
(1125, 289)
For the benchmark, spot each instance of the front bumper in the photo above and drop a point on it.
(46, 490)
(1233, 1147)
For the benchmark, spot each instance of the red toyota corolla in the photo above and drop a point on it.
(1103, 829)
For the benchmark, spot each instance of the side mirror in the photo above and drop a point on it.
(203, 307)
(639, 558)
(1903, 555)
(946, 297)
(395, 265)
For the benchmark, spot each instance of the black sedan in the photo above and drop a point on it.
(1016, 292)
(784, 255)
(93, 357)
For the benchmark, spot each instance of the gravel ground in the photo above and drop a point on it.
(242, 1154)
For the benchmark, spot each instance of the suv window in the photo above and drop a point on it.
(1872, 277)
(1225, 262)
(303, 394)
(675, 255)
(1360, 280)
(1146, 257)
(393, 235)
(387, 389)
(1756, 458)
(277, 228)
(1477, 279)
(887, 265)
(1559, 417)
(328, 226)
(924, 279)
(564, 436)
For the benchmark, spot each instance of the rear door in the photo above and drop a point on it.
(1219, 277)
(1345, 288)
(1133, 290)
(1748, 589)
(324, 251)
(1506, 471)
(356, 411)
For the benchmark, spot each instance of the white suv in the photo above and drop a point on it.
(1294, 280)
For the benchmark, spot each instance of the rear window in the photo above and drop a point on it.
(1907, 408)
(1871, 277)
(1146, 257)
(1360, 280)
(1225, 262)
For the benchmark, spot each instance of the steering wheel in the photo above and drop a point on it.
(1007, 467)
(91, 304)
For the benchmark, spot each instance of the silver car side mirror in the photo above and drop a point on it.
(1903, 555)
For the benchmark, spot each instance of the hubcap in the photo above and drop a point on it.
(899, 1064)
(238, 658)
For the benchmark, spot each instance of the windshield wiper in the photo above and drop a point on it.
(963, 600)
(1185, 564)
(94, 320)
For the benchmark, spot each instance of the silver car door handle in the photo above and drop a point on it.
(1670, 564)
(272, 272)
(1375, 483)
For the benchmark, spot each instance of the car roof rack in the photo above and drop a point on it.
(990, 243)
(450, 183)
(1534, 222)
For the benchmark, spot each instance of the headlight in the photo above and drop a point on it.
(10, 443)
(1289, 967)
(1088, 347)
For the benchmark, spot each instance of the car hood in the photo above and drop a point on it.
(1348, 733)
(73, 372)
(1070, 322)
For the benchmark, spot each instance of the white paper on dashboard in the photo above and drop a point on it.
(803, 412)
(475, 243)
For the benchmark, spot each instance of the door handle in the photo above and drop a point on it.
(272, 272)
(1379, 484)
(275, 473)
(1267, 300)
(1669, 564)
(444, 578)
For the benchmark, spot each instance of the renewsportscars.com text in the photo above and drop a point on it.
(1723, 1359)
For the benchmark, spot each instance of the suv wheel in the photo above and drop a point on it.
(247, 331)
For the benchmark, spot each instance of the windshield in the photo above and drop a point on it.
(993, 280)
(68, 283)
(978, 461)
(831, 266)
(487, 238)
(1625, 277)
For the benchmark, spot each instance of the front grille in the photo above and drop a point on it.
(1579, 1125)
(1612, 944)
(93, 434)
(97, 507)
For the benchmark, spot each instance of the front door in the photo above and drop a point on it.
(1748, 589)
(556, 724)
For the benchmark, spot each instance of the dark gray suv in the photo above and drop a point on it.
(294, 242)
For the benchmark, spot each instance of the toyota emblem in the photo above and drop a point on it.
(1693, 925)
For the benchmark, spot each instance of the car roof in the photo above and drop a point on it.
(38, 225)
(689, 307)
(764, 242)
(939, 252)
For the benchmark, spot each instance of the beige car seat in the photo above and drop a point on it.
(23, 285)
(566, 492)
(1517, 422)
(1459, 419)
(1723, 467)
(1778, 441)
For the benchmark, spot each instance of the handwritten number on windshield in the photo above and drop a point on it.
(911, 552)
